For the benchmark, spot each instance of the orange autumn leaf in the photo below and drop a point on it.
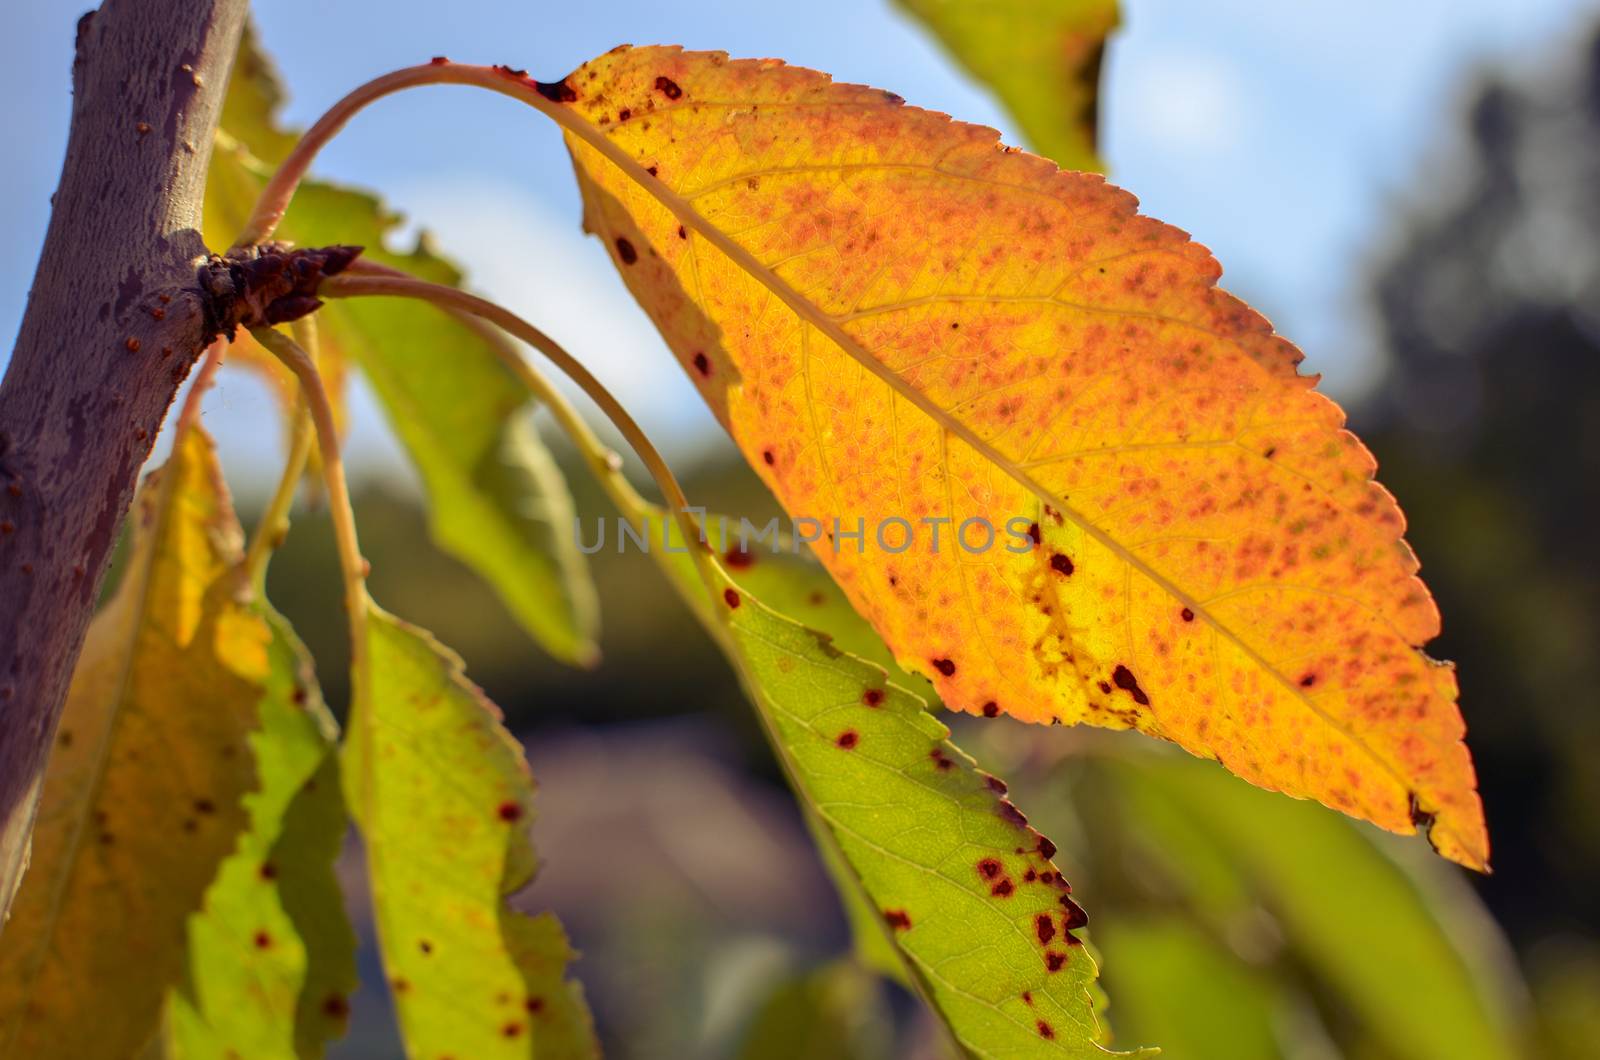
(898, 318)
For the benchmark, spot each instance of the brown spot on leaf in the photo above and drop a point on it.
(263, 940)
(1053, 961)
(668, 87)
(509, 811)
(731, 597)
(336, 1007)
(848, 739)
(1011, 814)
(991, 709)
(626, 252)
(1047, 849)
(1188, 615)
(702, 364)
(1061, 564)
(1003, 889)
(1124, 679)
(1045, 1030)
(990, 868)
(1045, 928)
(555, 91)
(945, 666)
(897, 919)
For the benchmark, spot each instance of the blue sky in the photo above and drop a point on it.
(1280, 134)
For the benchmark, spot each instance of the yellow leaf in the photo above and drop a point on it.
(142, 799)
(898, 318)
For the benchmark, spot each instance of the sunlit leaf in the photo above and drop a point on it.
(143, 798)
(1409, 960)
(980, 915)
(897, 319)
(1041, 57)
(271, 956)
(496, 500)
(443, 799)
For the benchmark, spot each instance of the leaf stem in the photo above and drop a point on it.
(353, 566)
(273, 525)
(190, 412)
(368, 280)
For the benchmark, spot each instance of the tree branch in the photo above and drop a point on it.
(115, 320)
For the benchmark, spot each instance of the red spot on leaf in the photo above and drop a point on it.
(991, 709)
(848, 739)
(1045, 928)
(872, 697)
(1011, 814)
(897, 919)
(509, 811)
(731, 597)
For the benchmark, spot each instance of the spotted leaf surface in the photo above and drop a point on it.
(143, 798)
(271, 956)
(960, 884)
(1042, 58)
(898, 319)
(443, 799)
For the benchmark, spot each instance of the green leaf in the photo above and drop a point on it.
(835, 1011)
(1397, 943)
(443, 799)
(1176, 985)
(143, 798)
(977, 910)
(1042, 59)
(271, 955)
(496, 499)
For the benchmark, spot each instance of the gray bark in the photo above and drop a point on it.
(115, 320)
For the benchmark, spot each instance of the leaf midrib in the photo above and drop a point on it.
(808, 312)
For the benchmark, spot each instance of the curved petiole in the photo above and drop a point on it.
(351, 564)
(367, 280)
